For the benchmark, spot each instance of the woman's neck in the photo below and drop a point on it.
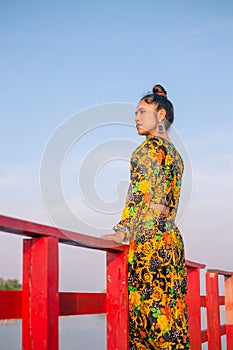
(164, 135)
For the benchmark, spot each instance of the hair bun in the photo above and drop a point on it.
(159, 90)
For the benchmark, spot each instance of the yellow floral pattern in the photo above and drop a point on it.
(156, 260)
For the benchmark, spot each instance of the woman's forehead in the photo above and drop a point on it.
(143, 104)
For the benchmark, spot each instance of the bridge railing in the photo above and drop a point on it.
(40, 303)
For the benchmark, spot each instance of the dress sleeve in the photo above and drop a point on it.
(139, 191)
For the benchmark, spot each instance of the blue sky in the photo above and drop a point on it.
(59, 58)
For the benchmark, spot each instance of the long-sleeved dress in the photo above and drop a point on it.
(157, 273)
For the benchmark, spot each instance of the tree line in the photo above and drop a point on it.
(9, 284)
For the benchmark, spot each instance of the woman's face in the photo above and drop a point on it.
(146, 118)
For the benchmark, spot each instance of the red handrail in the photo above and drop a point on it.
(39, 304)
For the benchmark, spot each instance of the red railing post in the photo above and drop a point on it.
(213, 315)
(194, 306)
(117, 301)
(229, 310)
(40, 302)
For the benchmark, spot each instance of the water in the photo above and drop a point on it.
(85, 332)
(75, 333)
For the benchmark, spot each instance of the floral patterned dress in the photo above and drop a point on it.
(156, 260)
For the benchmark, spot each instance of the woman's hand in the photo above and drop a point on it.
(116, 237)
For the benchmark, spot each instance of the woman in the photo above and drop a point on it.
(157, 272)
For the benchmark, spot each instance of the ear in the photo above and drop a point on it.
(162, 114)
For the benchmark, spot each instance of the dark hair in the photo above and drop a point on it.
(158, 97)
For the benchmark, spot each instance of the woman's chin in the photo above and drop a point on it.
(142, 132)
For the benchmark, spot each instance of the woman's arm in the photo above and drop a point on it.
(138, 194)
(117, 237)
(139, 191)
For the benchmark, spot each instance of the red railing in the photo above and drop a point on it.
(40, 304)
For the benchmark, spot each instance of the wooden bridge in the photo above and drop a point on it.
(40, 303)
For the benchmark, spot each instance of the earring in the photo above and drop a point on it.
(160, 127)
